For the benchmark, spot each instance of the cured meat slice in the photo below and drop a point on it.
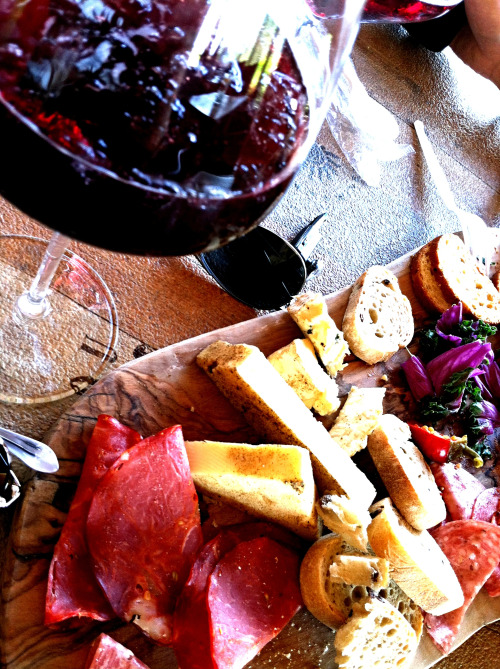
(194, 651)
(458, 487)
(473, 549)
(143, 531)
(487, 508)
(72, 589)
(106, 653)
(253, 593)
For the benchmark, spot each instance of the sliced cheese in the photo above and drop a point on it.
(244, 375)
(298, 365)
(358, 418)
(371, 572)
(310, 312)
(270, 481)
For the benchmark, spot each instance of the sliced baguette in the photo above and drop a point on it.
(406, 475)
(271, 482)
(249, 381)
(376, 635)
(378, 320)
(298, 365)
(331, 602)
(310, 312)
(461, 281)
(425, 284)
(417, 563)
(358, 418)
(347, 518)
(372, 572)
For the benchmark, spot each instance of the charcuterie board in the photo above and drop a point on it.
(164, 388)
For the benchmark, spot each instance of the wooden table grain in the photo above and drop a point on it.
(162, 301)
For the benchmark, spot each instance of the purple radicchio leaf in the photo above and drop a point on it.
(485, 391)
(417, 377)
(492, 379)
(469, 356)
(450, 318)
(487, 411)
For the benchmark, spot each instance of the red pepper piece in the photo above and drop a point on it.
(433, 445)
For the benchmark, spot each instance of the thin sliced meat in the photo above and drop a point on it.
(143, 531)
(487, 508)
(458, 487)
(106, 653)
(191, 612)
(253, 593)
(473, 549)
(72, 589)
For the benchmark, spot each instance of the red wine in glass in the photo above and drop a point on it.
(392, 11)
(160, 127)
(139, 146)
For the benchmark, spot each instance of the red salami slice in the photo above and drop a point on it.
(253, 593)
(143, 531)
(487, 508)
(458, 488)
(106, 653)
(191, 612)
(72, 588)
(473, 549)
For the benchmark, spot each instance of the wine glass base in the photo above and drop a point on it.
(66, 351)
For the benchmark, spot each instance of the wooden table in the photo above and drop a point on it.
(161, 301)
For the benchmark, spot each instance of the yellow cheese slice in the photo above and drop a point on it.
(298, 365)
(270, 481)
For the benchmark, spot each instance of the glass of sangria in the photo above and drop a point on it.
(160, 127)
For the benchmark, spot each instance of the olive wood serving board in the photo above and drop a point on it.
(164, 388)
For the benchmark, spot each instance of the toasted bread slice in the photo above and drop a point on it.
(425, 285)
(378, 319)
(271, 482)
(372, 572)
(376, 635)
(298, 365)
(347, 518)
(330, 601)
(461, 281)
(406, 475)
(417, 563)
(249, 381)
(358, 418)
(310, 312)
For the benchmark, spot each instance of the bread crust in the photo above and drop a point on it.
(378, 320)
(461, 281)
(406, 475)
(425, 285)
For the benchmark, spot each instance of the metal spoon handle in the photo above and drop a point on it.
(33, 453)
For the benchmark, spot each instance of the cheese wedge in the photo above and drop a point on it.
(417, 563)
(269, 481)
(298, 365)
(310, 312)
(249, 381)
(358, 418)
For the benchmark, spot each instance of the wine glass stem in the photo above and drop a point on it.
(33, 304)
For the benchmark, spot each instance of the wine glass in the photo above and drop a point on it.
(164, 127)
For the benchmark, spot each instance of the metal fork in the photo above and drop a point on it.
(33, 453)
(476, 234)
